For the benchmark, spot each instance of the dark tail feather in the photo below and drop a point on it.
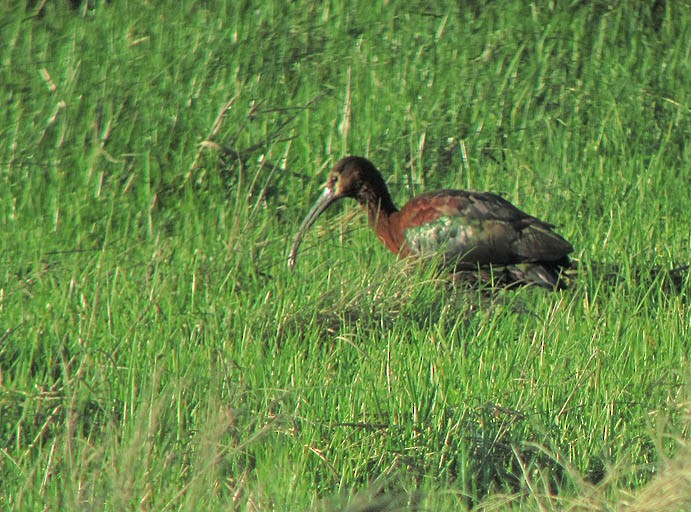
(545, 276)
(550, 276)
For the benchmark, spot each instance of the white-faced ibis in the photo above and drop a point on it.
(468, 231)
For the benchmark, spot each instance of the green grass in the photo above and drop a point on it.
(155, 351)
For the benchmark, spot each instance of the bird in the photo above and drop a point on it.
(463, 230)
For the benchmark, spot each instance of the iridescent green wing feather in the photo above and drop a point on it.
(478, 228)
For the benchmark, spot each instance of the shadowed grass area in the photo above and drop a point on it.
(155, 351)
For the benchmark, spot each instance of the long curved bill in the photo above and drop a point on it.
(325, 200)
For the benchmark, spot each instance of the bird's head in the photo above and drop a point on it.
(352, 176)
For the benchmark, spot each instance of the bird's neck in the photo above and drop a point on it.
(382, 217)
(378, 204)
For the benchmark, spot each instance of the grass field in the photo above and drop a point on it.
(157, 354)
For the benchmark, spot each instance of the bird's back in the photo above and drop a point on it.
(471, 228)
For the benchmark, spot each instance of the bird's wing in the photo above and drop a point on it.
(478, 228)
